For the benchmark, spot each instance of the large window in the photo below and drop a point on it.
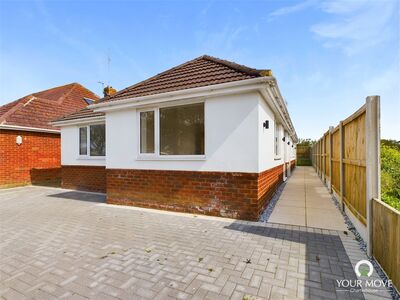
(180, 130)
(92, 140)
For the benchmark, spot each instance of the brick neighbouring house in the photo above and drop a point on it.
(208, 136)
(30, 150)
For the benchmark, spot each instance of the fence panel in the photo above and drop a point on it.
(327, 155)
(354, 193)
(335, 180)
(303, 155)
(386, 234)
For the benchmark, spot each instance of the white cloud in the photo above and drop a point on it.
(358, 24)
(224, 40)
(286, 10)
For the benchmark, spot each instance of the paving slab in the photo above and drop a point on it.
(57, 244)
(305, 201)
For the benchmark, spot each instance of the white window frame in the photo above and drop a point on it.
(87, 155)
(277, 141)
(156, 155)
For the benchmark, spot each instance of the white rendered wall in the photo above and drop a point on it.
(267, 158)
(70, 149)
(231, 138)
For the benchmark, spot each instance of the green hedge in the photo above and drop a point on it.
(390, 173)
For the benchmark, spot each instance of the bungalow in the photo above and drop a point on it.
(29, 146)
(208, 136)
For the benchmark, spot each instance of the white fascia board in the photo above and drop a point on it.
(286, 113)
(78, 121)
(211, 90)
(278, 106)
(32, 129)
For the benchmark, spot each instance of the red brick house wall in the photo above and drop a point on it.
(268, 182)
(226, 194)
(35, 161)
(85, 178)
(292, 164)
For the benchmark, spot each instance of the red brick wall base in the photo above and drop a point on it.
(225, 194)
(85, 178)
(268, 182)
(292, 165)
(35, 161)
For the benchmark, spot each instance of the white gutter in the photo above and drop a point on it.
(78, 121)
(286, 112)
(253, 84)
(216, 89)
(33, 129)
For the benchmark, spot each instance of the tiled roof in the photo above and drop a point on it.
(202, 71)
(80, 114)
(38, 109)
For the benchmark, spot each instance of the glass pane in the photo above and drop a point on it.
(97, 140)
(83, 141)
(182, 130)
(147, 132)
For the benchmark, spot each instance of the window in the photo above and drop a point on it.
(147, 132)
(277, 141)
(92, 140)
(83, 141)
(180, 130)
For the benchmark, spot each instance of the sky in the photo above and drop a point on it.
(327, 56)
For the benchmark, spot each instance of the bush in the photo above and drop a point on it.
(390, 173)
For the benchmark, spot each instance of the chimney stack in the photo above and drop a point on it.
(108, 91)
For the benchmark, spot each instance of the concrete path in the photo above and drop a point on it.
(305, 201)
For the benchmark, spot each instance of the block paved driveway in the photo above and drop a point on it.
(57, 244)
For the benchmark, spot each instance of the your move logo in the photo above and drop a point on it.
(363, 270)
(366, 272)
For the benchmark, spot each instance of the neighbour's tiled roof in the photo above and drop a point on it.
(80, 114)
(202, 71)
(38, 109)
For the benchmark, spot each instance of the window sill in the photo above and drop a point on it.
(91, 158)
(172, 158)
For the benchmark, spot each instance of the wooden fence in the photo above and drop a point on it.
(339, 157)
(303, 155)
(386, 239)
(347, 158)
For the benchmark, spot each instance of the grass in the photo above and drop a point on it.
(390, 173)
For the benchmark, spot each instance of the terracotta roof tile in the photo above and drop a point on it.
(202, 71)
(81, 114)
(38, 109)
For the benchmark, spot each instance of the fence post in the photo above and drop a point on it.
(372, 143)
(330, 158)
(323, 152)
(320, 158)
(341, 169)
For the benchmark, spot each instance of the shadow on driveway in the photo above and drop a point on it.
(81, 196)
(322, 260)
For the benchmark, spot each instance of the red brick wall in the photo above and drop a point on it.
(234, 195)
(36, 160)
(85, 178)
(293, 164)
(268, 182)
